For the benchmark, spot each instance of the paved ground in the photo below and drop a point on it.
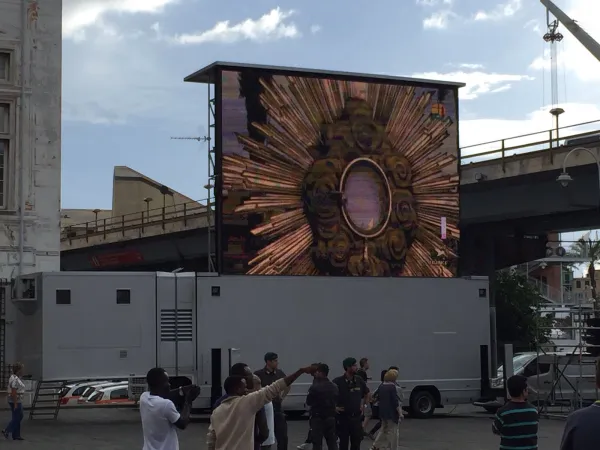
(120, 429)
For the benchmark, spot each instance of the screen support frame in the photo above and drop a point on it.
(211, 188)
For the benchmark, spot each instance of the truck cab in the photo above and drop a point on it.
(553, 378)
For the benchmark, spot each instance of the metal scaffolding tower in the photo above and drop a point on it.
(210, 186)
(565, 380)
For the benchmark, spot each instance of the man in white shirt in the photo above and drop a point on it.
(159, 415)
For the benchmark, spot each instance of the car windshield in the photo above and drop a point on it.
(96, 396)
(519, 362)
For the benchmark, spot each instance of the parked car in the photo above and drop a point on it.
(111, 395)
(91, 390)
(72, 392)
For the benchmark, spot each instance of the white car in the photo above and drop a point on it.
(111, 395)
(72, 392)
(91, 390)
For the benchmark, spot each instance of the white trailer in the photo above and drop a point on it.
(82, 325)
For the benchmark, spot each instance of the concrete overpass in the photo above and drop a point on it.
(508, 194)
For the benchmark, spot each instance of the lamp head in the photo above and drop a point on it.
(564, 179)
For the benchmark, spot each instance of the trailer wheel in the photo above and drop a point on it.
(422, 404)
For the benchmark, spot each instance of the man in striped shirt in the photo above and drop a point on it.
(517, 422)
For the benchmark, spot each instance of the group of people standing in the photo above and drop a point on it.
(250, 416)
(337, 408)
(346, 424)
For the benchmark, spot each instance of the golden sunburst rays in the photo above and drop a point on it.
(274, 171)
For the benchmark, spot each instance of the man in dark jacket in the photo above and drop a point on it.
(353, 394)
(322, 400)
(269, 375)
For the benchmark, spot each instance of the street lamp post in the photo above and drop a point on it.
(96, 211)
(564, 178)
(147, 200)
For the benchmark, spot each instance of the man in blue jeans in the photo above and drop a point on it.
(16, 389)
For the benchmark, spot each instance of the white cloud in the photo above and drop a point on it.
(79, 15)
(534, 25)
(501, 11)
(470, 66)
(477, 131)
(273, 25)
(574, 57)
(438, 20)
(433, 2)
(314, 29)
(477, 83)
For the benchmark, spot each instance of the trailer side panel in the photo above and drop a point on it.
(106, 330)
(431, 329)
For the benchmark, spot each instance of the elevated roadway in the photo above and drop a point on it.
(508, 191)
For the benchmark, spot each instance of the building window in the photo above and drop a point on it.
(123, 296)
(4, 66)
(6, 126)
(63, 296)
(4, 118)
(578, 284)
(587, 283)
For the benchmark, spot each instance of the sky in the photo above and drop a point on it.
(124, 62)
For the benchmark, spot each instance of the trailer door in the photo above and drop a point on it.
(176, 303)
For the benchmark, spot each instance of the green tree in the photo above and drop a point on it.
(517, 318)
(586, 248)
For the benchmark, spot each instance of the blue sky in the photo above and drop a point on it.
(124, 62)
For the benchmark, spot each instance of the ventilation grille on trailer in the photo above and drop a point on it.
(137, 386)
(172, 330)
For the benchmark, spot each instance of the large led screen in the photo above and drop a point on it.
(341, 178)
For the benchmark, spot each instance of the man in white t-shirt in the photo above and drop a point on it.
(159, 415)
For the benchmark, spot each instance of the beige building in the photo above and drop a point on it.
(582, 290)
(136, 198)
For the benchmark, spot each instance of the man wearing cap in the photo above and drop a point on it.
(353, 394)
(269, 375)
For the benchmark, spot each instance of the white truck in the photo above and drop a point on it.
(112, 325)
(553, 379)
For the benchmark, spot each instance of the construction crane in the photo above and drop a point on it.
(579, 33)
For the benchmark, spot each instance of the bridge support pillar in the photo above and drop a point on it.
(478, 258)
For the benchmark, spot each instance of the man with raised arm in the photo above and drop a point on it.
(232, 422)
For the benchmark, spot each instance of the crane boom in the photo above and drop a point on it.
(579, 33)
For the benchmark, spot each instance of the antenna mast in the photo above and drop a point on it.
(198, 138)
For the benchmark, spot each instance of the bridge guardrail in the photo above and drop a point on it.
(137, 220)
(525, 143)
(491, 150)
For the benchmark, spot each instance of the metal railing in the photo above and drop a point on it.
(5, 373)
(551, 293)
(546, 140)
(138, 220)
